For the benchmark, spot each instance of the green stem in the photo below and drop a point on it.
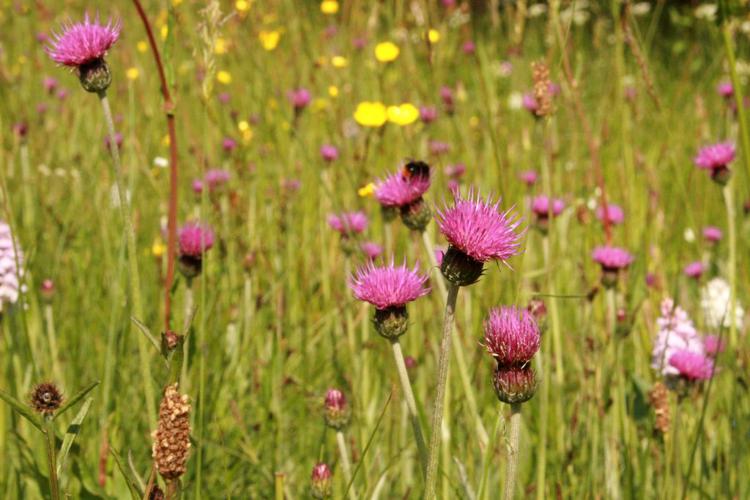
(345, 463)
(49, 433)
(442, 378)
(739, 98)
(135, 281)
(49, 319)
(188, 314)
(511, 470)
(728, 192)
(411, 403)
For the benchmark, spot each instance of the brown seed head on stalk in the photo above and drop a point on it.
(542, 84)
(659, 398)
(172, 438)
(46, 398)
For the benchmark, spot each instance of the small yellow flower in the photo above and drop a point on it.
(132, 73)
(404, 114)
(224, 77)
(176, 2)
(243, 125)
(333, 91)
(164, 32)
(22, 60)
(370, 114)
(433, 36)
(142, 46)
(242, 5)
(158, 248)
(319, 104)
(220, 47)
(339, 62)
(269, 39)
(366, 191)
(247, 135)
(165, 140)
(329, 7)
(386, 51)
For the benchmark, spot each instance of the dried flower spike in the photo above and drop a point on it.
(659, 399)
(46, 398)
(172, 437)
(542, 85)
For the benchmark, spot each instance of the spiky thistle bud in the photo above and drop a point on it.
(514, 384)
(46, 399)
(172, 437)
(320, 481)
(336, 409)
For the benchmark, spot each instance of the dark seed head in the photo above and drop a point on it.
(46, 398)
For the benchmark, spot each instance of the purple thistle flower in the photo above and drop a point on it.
(612, 258)
(329, 152)
(469, 47)
(446, 94)
(335, 400)
(713, 345)
(529, 103)
(428, 114)
(511, 335)
(118, 140)
(455, 171)
(615, 214)
(388, 286)
(348, 223)
(694, 269)
(715, 156)
(712, 234)
(300, 98)
(320, 481)
(50, 84)
(371, 250)
(197, 186)
(540, 205)
(438, 148)
(692, 366)
(84, 42)
(528, 177)
(216, 177)
(398, 190)
(195, 239)
(62, 94)
(476, 228)
(228, 144)
(725, 90)
(676, 333)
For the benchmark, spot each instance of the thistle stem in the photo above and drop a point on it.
(49, 319)
(345, 463)
(135, 280)
(411, 403)
(49, 433)
(442, 377)
(728, 193)
(511, 470)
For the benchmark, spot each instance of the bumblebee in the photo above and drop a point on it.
(415, 169)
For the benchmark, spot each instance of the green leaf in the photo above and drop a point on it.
(75, 399)
(143, 328)
(128, 479)
(23, 409)
(71, 433)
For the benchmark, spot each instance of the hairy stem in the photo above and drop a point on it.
(411, 403)
(49, 434)
(345, 463)
(514, 437)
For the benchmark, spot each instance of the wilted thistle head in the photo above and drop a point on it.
(83, 46)
(172, 438)
(336, 409)
(46, 399)
(511, 335)
(477, 233)
(716, 158)
(320, 481)
(389, 288)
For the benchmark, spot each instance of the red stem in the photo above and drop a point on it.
(172, 214)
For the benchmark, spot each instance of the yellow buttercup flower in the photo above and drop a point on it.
(329, 7)
(220, 47)
(164, 32)
(339, 62)
(243, 125)
(269, 39)
(386, 51)
(242, 5)
(158, 248)
(224, 77)
(370, 114)
(366, 191)
(165, 140)
(333, 91)
(319, 104)
(403, 115)
(132, 73)
(433, 36)
(142, 46)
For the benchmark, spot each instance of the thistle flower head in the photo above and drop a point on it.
(712, 234)
(428, 114)
(10, 274)
(348, 223)
(511, 335)
(195, 239)
(692, 366)
(612, 258)
(329, 152)
(216, 178)
(725, 89)
(388, 286)
(84, 42)
(694, 269)
(371, 249)
(402, 188)
(716, 158)
(46, 398)
(542, 206)
(528, 177)
(478, 229)
(299, 98)
(336, 409)
(614, 213)
(713, 345)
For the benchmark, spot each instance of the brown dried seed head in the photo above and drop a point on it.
(172, 438)
(542, 83)
(659, 398)
(46, 398)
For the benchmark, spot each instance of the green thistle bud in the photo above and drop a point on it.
(459, 268)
